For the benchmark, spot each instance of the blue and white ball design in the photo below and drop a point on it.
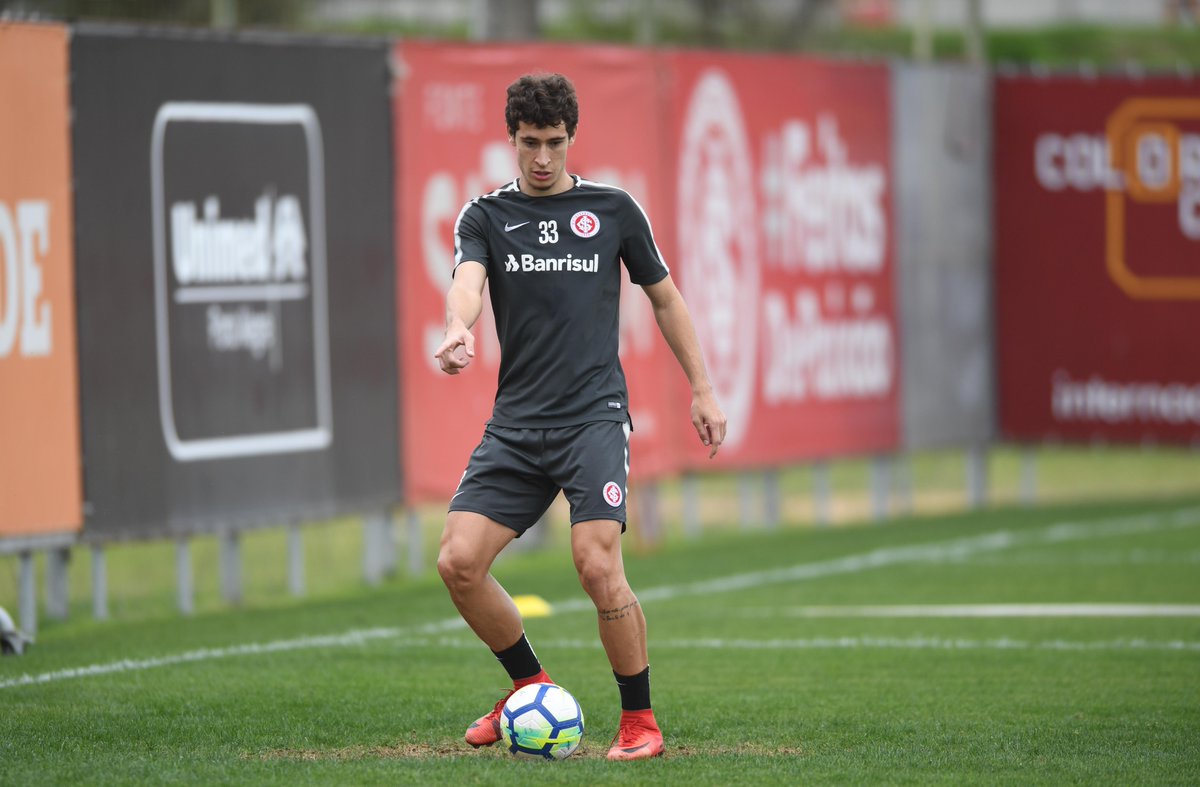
(541, 720)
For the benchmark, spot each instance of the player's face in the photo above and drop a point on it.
(542, 158)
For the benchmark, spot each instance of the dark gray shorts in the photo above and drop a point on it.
(515, 474)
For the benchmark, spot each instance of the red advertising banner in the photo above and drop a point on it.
(1097, 219)
(40, 483)
(783, 219)
(451, 146)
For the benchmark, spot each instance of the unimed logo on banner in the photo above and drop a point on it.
(240, 280)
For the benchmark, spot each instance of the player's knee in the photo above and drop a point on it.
(456, 569)
(600, 578)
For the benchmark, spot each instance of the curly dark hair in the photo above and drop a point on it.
(542, 100)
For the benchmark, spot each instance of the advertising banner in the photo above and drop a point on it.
(942, 143)
(452, 145)
(236, 278)
(1097, 221)
(783, 219)
(40, 482)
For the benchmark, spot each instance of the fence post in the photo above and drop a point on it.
(372, 543)
(388, 548)
(690, 489)
(230, 565)
(99, 583)
(412, 522)
(27, 594)
(903, 483)
(649, 512)
(185, 587)
(976, 476)
(295, 552)
(881, 486)
(746, 506)
(57, 601)
(772, 503)
(1028, 493)
(821, 492)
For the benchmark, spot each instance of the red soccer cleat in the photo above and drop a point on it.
(638, 737)
(485, 730)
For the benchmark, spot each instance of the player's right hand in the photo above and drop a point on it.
(456, 351)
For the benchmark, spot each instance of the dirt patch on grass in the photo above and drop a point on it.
(448, 749)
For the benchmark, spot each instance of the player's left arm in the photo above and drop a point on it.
(675, 322)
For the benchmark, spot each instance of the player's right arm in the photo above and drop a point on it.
(464, 302)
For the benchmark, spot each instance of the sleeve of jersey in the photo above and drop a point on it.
(638, 249)
(470, 236)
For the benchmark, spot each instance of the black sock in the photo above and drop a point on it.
(635, 690)
(519, 660)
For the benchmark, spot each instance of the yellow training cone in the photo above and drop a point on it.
(532, 606)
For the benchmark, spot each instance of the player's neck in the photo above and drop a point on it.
(564, 183)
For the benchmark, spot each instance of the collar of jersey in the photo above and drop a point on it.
(575, 179)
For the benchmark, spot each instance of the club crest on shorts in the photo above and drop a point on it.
(612, 494)
(585, 224)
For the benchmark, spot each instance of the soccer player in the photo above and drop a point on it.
(550, 243)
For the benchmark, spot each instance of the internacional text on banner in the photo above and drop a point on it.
(1098, 258)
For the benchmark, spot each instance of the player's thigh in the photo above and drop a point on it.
(504, 481)
(471, 542)
(596, 550)
(591, 464)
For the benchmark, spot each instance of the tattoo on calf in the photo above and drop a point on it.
(618, 612)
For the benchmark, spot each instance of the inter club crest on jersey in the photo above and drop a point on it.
(585, 224)
(613, 494)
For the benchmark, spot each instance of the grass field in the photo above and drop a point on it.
(1013, 646)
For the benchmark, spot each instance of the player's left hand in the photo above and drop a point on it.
(709, 421)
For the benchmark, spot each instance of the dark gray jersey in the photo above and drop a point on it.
(553, 273)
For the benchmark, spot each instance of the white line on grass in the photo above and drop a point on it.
(958, 549)
(852, 643)
(984, 611)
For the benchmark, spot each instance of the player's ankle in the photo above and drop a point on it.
(540, 677)
(645, 717)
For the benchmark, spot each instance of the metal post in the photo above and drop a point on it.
(372, 564)
(690, 489)
(1028, 493)
(230, 566)
(881, 482)
(771, 498)
(223, 14)
(976, 476)
(388, 547)
(57, 601)
(646, 26)
(295, 551)
(903, 483)
(99, 583)
(923, 32)
(27, 594)
(186, 587)
(976, 42)
(416, 560)
(648, 511)
(821, 492)
(746, 505)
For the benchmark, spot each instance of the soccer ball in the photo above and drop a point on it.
(541, 720)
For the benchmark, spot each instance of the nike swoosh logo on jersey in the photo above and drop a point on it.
(510, 227)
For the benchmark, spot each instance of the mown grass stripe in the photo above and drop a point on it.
(951, 550)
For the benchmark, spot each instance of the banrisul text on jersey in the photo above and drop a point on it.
(556, 261)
